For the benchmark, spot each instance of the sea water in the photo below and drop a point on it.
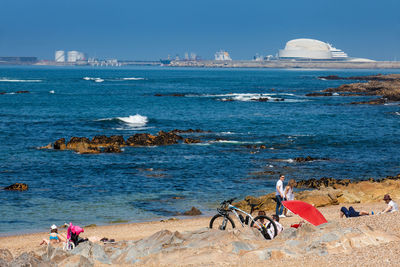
(151, 183)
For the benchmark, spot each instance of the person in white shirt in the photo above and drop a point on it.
(280, 196)
(289, 195)
(392, 206)
(271, 230)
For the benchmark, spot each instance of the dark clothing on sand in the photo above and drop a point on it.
(349, 212)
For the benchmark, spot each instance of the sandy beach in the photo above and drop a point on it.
(384, 254)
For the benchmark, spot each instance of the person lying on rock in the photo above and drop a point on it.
(351, 212)
(54, 237)
(391, 205)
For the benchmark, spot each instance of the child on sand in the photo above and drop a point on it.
(391, 205)
(54, 237)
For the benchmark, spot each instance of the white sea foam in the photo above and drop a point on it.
(90, 78)
(18, 81)
(133, 121)
(397, 113)
(323, 79)
(133, 79)
(96, 79)
(136, 120)
(51, 92)
(248, 97)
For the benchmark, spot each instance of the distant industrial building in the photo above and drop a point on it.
(59, 56)
(222, 55)
(74, 56)
(18, 60)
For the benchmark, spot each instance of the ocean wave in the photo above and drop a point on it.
(98, 79)
(133, 79)
(250, 97)
(18, 81)
(137, 121)
(234, 142)
(51, 92)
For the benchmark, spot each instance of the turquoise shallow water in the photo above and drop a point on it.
(361, 141)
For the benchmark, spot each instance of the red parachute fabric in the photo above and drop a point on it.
(306, 211)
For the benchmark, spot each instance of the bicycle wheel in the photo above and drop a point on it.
(222, 222)
(69, 245)
(268, 226)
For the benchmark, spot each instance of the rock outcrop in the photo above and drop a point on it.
(330, 191)
(17, 187)
(378, 77)
(145, 139)
(209, 247)
(82, 145)
(114, 143)
(385, 86)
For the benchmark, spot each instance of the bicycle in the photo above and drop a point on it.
(68, 245)
(226, 207)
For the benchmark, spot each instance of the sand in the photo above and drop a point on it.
(387, 254)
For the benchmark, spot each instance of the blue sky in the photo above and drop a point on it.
(152, 29)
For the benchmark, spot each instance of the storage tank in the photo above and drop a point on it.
(59, 56)
(73, 56)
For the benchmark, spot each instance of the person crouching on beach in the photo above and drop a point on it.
(280, 196)
(351, 212)
(54, 237)
(391, 205)
(270, 228)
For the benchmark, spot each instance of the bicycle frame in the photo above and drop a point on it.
(234, 210)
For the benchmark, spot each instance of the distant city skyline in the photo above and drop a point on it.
(155, 29)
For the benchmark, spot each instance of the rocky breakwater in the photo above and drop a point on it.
(385, 86)
(330, 191)
(114, 143)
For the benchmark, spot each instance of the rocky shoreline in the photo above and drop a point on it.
(191, 243)
(385, 86)
(330, 191)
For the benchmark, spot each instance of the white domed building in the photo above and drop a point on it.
(310, 49)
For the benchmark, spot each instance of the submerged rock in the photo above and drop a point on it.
(307, 159)
(112, 149)
(192, 212)
(191, 141)
(17, 187)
